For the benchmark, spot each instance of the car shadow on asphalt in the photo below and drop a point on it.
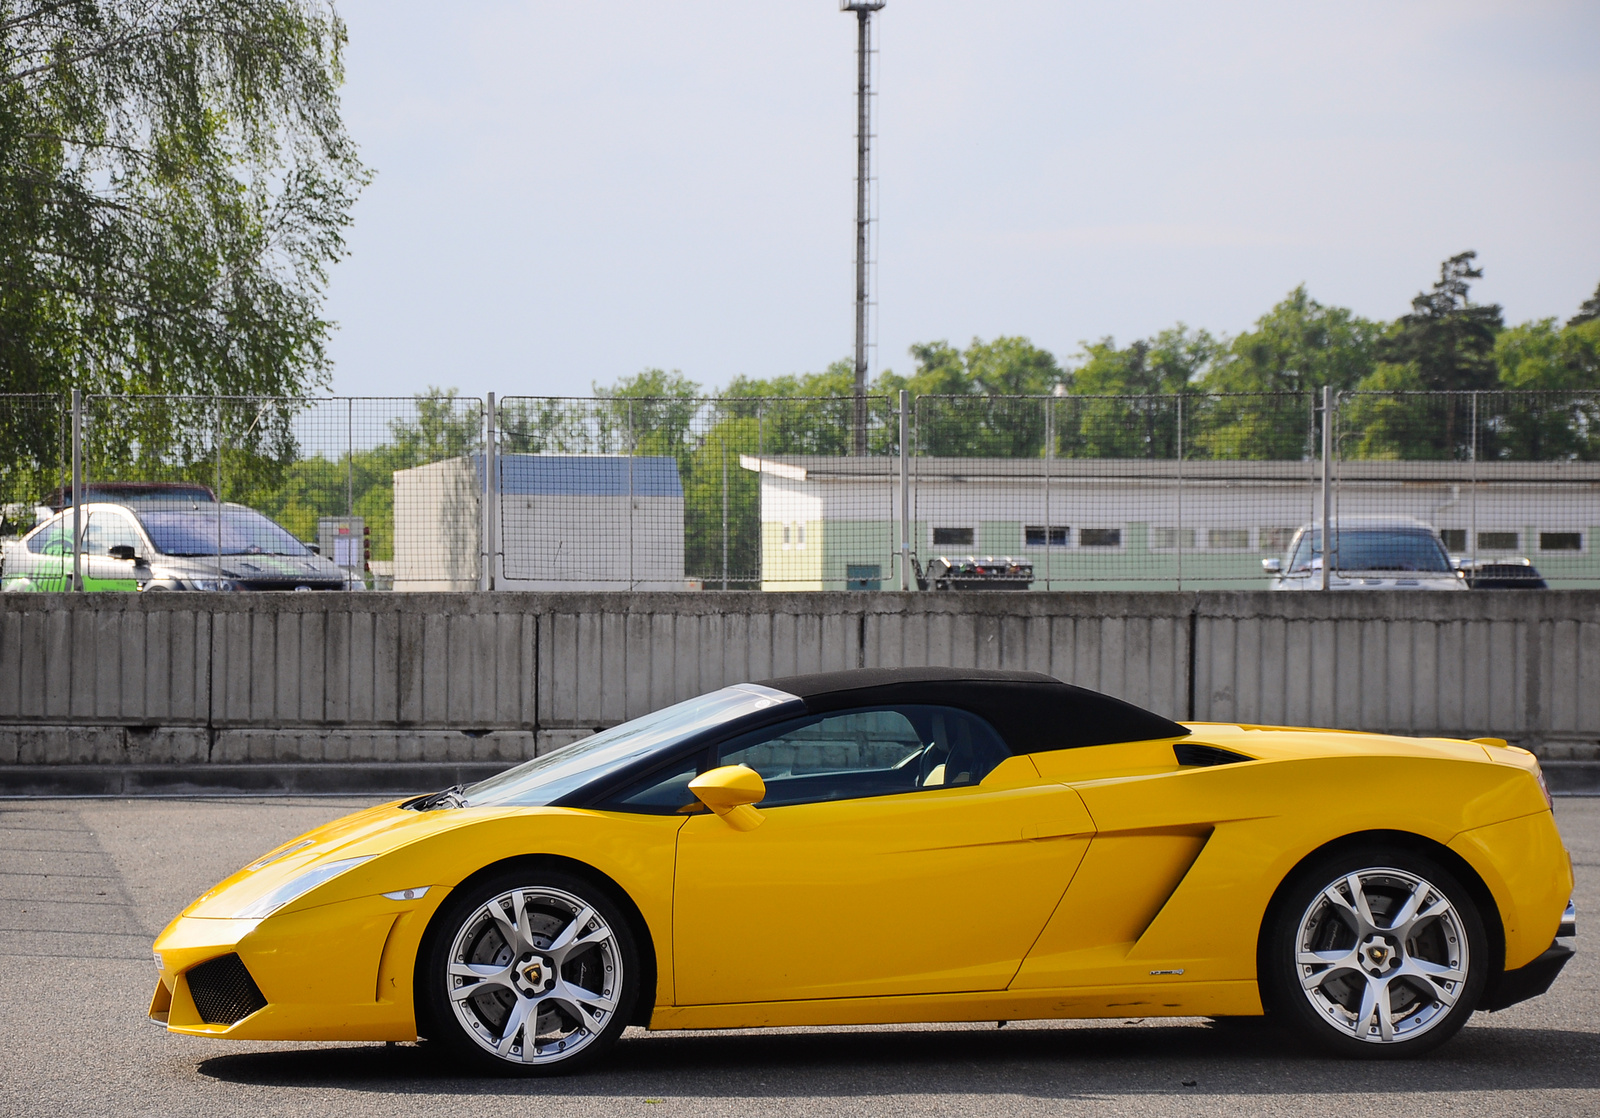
(1040, 1061)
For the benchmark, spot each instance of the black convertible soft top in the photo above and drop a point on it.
(1033, 712)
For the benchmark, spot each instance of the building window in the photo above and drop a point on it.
(1100, 537)
(1275, 539)
(1225, 539)
(953, 537)
(1560, 541)
(1037, 535)
(800, 534)
(1455, 539)
(863, 576)
(1166, 539)
(786, 531)
(1501, 541)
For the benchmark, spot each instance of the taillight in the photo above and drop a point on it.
(1538, 775)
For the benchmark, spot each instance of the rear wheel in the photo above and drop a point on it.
(1374, 953)
(530, 973)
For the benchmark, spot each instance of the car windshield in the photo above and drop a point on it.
(544, 780)
(1375, 549)
(231, 530)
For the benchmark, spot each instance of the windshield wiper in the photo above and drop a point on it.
(433, 801)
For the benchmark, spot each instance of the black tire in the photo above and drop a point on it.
(580, 997)
(1338, 1006)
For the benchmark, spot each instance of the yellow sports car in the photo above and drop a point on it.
(894, 846)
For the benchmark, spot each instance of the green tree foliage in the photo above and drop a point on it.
(1121, 403)
(1589, 311)
(174, 183)
(1297, 347)
(1446, 344)
(970, 413)
(1447, 339)
(1450, 343)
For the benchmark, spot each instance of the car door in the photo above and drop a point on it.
(901, 851)
(43, 561)
(106, 529)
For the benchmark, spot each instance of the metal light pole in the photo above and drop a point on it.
(863, 10)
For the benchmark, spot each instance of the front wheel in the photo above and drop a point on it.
(530, 972)
(1374, 953)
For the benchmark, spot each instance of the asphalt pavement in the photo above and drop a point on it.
(86, 884)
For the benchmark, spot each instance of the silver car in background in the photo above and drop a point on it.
(162, 545)
(1369, 553)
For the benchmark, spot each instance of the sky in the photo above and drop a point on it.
(566, 194)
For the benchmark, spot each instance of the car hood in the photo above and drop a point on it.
(247, 567)
(374, 833)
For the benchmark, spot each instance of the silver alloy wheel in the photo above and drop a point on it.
(1382, 955)
(534, 975)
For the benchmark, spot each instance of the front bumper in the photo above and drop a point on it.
(340, 971)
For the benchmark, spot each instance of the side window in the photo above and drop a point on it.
(850, 755)
(55, 538)
(107, 530)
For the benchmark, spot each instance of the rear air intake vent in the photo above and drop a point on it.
(223, 991)
(1188, 753)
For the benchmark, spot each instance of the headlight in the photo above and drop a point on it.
(296, 887)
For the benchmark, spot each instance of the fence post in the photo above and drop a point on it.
(218, 434)
(630, 496)
(761, 484)
(1179, 540)
(905, 490)
(350, 458)
(1327, 482)
(491, 493)
(77, 489)
(724, 443)
(1472, 545)
(1049, 457)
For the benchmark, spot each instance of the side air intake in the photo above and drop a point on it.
(1193, 754)
(223, 991)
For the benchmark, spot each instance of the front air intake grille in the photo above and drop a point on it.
(223, 991)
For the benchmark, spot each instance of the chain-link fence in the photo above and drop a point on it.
(1509, 482)
(261, 493)
(35, 455)
(1109, 492)
(1424, 490)
(662, 494)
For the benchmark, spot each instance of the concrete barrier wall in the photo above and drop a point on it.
(300, 678)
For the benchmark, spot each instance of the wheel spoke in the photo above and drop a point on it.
(484, 976)
(1348, 908)
(518, 1020)
(512, 926)
(1385, 1012)
(1329, 964)
(571, 931)
(1358, 897)
(1433, 977)
(564, 995)
(573, 939)
(1403, 919)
